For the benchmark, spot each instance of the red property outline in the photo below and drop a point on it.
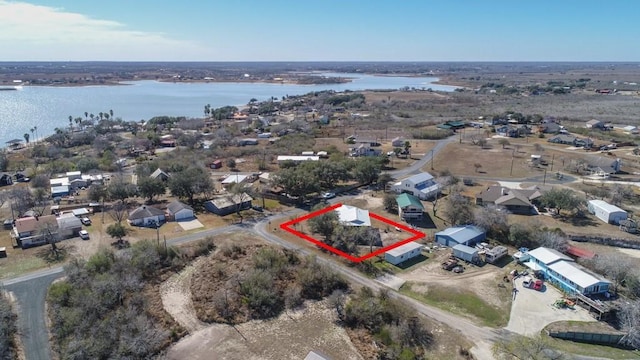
(286, 226)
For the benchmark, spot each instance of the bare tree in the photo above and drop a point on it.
(552, 240)
(619, 193)
(615, 267)
(494, 221)
(49, 233)
(119, 211)
(629, 319)
(458, 209)
(21, 200)
(525, 348)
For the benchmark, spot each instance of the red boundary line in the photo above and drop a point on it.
(286, 226)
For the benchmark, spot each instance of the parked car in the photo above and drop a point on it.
(328, 195)
(84, 234)
(85, 221)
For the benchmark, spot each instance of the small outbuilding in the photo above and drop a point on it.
(466, 253)
(159, 174)
(179, 211)
(68, 226)
(466, 235)
(59, 191)
(225, 205)
(403, 253)
(606, 212)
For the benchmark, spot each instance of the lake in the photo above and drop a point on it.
(49, 107)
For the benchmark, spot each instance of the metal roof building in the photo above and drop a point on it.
(466, 235)
(403, 253)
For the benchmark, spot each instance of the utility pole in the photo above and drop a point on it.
(512, 157)
(552, 157)
(544, 179)
(431, 159)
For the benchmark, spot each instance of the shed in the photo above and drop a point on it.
(466, 253)
(179, 211)
(225, 205)
(234, 179)
(403, 253)
(59, 191)
(466, 235)
(80, 212)
(606, 212)
(216, 164)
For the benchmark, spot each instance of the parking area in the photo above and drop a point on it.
(190, 225)
(532, 310)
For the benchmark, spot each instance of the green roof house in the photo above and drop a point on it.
(409, 207)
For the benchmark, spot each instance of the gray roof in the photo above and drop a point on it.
(176, 206)
(159, 172)
(418, 178)
(403, 249)
(606, 206)
(577, 274)
(226, 201)
(144, 212)
(69, 222)
(465, 249)
(461, 233)
(548, 256)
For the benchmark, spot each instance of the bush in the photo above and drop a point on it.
(8, 329)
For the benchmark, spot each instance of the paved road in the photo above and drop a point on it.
(416, 167)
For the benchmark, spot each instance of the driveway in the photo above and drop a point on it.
(532, 310)
(190, 225)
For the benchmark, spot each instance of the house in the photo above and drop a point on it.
(403, 253)
(409, 207)
(59, 191)
(564, 273)
(466, 235)
(76, 184)
(508, 131)
(549, 128)
(179, 211)
(159, 174)
(398, 142)
(216, 164)
(364, 150)
(264, 177)
(225, 205)
(563, 139)
(631, 129)
(30, 231)
(367, 142)
(353, 216)
(452, 125)
(517, 201)
(602, 166)
(466, 253)
(234, 179)
(68, 226)
(61, 181)
(606, 212)
(248, 141)
(494, 254)
(146, 216)
(294, 158)
(72, 175)
(422, 185)
(6, 179)
(594, 124)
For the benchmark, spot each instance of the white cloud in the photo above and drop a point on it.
(41, 33)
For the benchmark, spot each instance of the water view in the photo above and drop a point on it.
(50, 107)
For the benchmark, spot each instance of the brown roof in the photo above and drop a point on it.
(501, 195)
(31, 223)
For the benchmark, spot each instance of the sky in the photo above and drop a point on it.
(319, 30)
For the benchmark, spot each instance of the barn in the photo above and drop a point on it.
(403, 253)
(606, 212)
(466, 235)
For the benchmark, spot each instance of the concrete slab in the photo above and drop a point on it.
(532, 310)
(391, 281)
(190, 225)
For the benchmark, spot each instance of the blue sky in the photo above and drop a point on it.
(320, 30)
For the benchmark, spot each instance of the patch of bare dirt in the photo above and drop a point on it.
(176, 298)
(292, 335)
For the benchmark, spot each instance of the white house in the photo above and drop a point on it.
(234, 179)
(146, 216)
(179, 211)
(422, 186)
(403, 253)
(606, 212)
(353, 216)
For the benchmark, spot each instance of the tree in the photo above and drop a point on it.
(97, 192)
(49, 233)
(504, 142)
(620, 193)
(537, 147)
(117, 231)
(629, 319)
(477, 166)
(296, 182)
(190, 182)
(525, 348)
(617, 268)
(552, 239)
(494, 221)
(231, 163)
(561, 199)
(458, 209)
(26, 138)
(367, 170)
(389, 203)
(8, 329)
(324, 224)
(239, 194)
(383, 180)
(118, 189)
(150, 187)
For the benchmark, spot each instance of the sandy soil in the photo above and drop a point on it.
(631, 252)
(176, 298)
(290, 336)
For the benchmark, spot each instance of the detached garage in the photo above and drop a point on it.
(606, 212)
(466, 235)
(179, 211)
(403, 253)
(466, 253)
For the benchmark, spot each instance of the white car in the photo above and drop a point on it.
(328, 195)
(85, 221)
(84, 234)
